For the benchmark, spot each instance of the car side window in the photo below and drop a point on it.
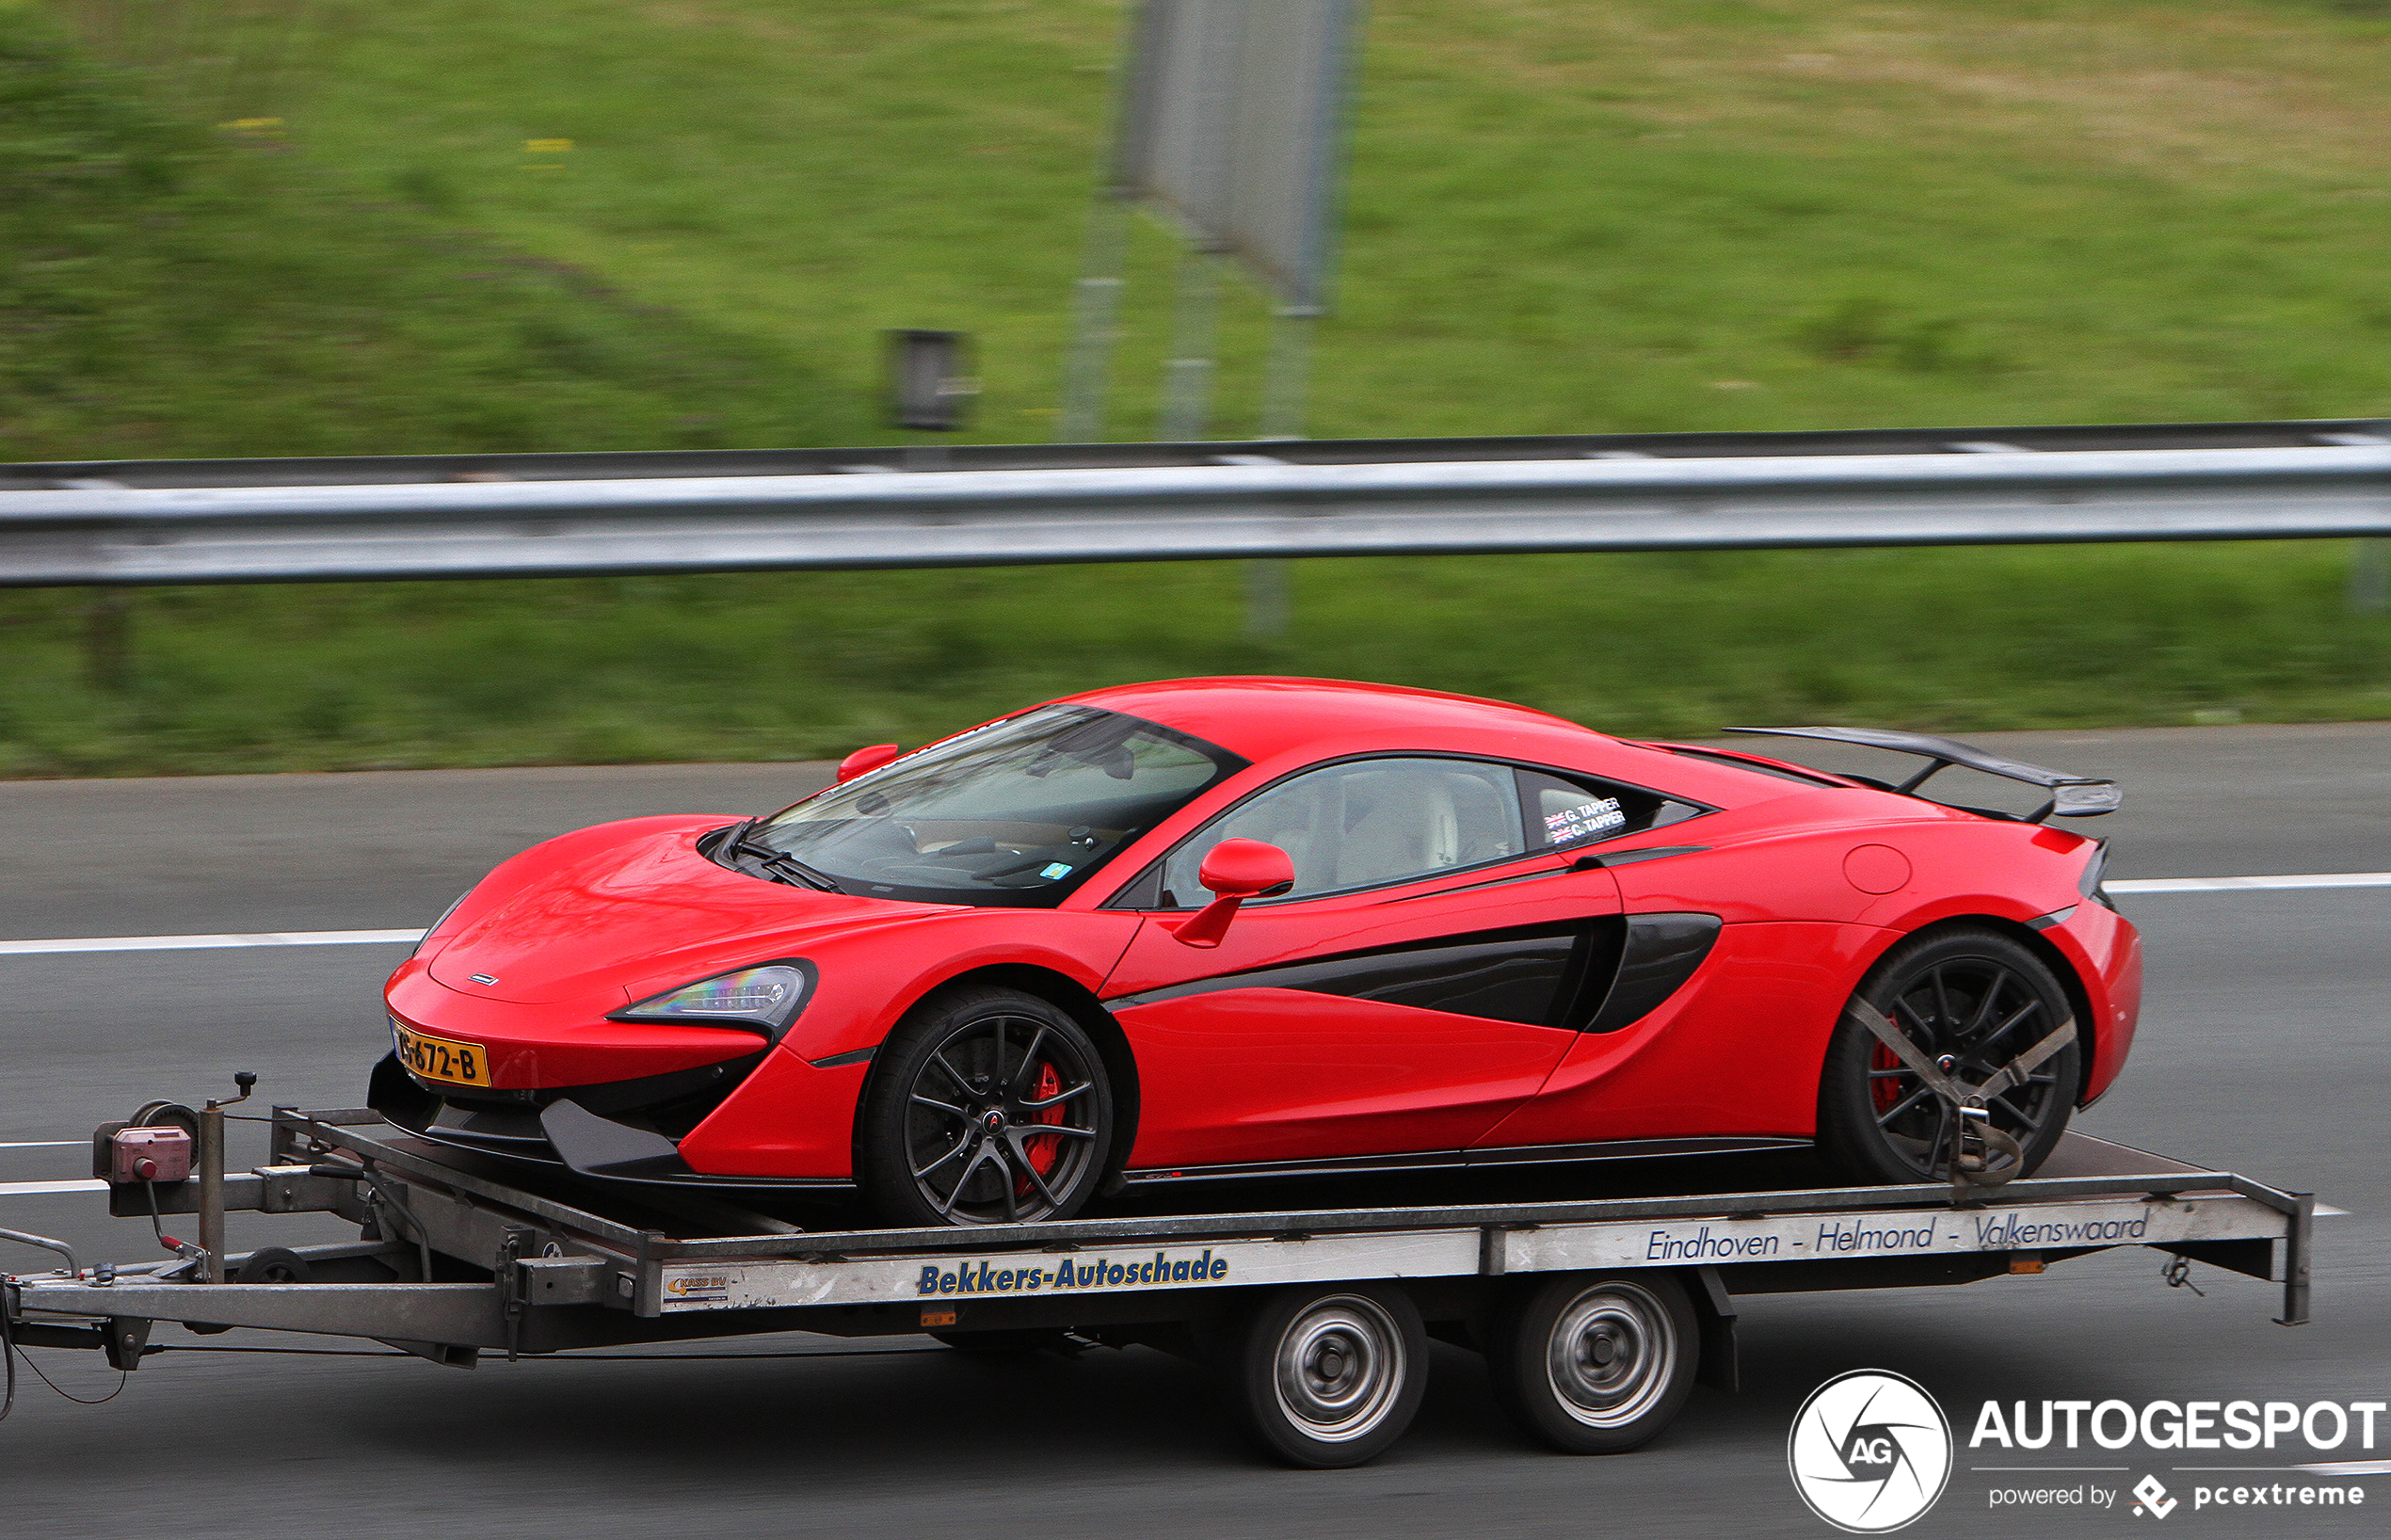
(1564, 811)
(1366, 823)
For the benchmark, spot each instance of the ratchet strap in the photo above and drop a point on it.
(1972, 1147)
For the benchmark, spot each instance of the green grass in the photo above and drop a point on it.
(167, 293)
(802, 665)
(1564, 217)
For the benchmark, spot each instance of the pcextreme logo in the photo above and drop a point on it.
(1870, 1451)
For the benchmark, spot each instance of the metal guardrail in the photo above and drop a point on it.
(124, 522)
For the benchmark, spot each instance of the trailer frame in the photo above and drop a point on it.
(461, 1255)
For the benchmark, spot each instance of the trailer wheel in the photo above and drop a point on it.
(1596, 1363)
(1327, 1378)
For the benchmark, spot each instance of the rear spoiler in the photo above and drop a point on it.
(2071, 796)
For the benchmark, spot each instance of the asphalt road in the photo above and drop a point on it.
(2265, 1049)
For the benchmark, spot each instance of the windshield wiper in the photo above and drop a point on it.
(778, 863)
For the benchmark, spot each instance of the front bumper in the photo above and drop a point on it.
(623, 1131)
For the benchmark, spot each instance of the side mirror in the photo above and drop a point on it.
(865, 760)
(1235, 871)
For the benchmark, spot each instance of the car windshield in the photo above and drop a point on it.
(1019, 813)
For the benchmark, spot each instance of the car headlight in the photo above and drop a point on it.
(764, 999)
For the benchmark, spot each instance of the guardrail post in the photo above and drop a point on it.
(107, 640)
(2371, 578)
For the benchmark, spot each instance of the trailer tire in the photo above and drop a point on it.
(1324, 1377)
(1596, 1363)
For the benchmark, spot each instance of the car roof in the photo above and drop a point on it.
(1260, 716)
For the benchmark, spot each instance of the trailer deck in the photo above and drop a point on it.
(461, 1255)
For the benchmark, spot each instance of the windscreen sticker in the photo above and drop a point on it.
(1584, 819)
(1054, 870)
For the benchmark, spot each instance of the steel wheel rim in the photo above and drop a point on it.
(1611, 1354)
(1338, 1367)
(1001, 1121)
(1980, 1013)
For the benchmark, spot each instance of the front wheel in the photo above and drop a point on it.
(1972, 1001)
(1594, 1364)
(985, 1107)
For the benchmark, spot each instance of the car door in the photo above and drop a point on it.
(1412, 988)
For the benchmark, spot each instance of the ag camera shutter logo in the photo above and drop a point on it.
(1870, 1451)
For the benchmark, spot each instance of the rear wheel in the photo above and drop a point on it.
(1324, 1377)
(1973, 1000)
(986, 1106)
(1593, 1364)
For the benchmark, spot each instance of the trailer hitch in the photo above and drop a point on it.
(1976, 1144)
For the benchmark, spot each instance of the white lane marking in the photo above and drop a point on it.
(2235, 885)
(380, 938)
(50, 1143)
(36, 1188)
(185, 943)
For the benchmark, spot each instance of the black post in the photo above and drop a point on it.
(930, 381)
(107, 640)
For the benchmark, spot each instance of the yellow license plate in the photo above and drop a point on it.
(438, 1058)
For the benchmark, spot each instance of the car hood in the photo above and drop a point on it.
(633, 907)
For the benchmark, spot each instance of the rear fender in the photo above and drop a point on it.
(2097, 956)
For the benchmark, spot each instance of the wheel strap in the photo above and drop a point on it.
(1965, 1098)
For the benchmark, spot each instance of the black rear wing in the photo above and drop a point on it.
(2071, 796)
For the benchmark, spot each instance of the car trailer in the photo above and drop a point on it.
(1596, 1317)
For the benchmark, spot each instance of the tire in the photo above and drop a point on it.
(986, 1106)
(1596, 1363)
(274, 1264)
(1975, 996)
(1325, 1378)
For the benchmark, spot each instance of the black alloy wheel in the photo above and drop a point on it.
(985, 1107)
(1973, 1000)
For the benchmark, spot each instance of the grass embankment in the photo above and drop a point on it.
(1647, 214)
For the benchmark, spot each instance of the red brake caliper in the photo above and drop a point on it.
(1045, 1154)
(1886, 1091)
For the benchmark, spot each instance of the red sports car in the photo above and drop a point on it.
(1258, 926)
